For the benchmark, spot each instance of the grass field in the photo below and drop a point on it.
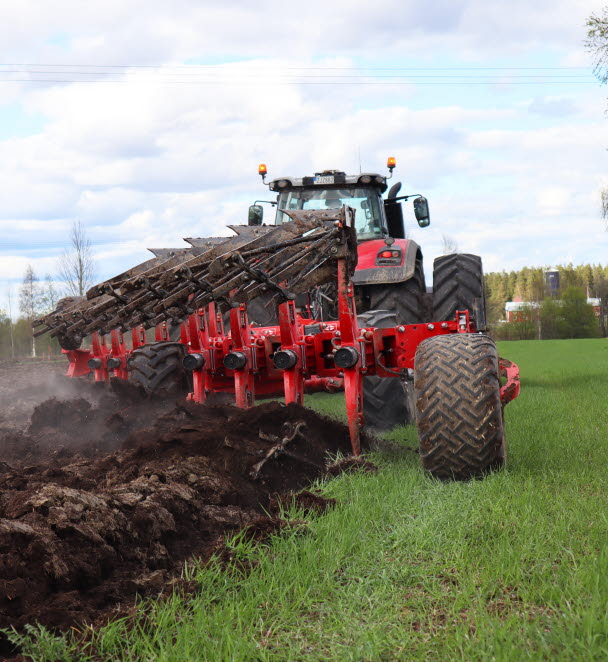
(514, 567)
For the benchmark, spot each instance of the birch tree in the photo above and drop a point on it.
(30, 299)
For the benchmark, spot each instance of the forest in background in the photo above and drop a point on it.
(566, 315)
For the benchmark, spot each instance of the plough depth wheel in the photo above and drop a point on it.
(458, 409)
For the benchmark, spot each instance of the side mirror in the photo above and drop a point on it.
(256, 215)
(421, 210)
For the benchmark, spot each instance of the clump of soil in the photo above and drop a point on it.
(100, 503)
(24, 385)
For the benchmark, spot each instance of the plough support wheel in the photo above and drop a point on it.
(458, 408)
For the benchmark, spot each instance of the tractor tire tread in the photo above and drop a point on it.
(405, 299)
(158, 366)
(457, 283)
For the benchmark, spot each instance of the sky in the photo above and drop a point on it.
(146, 121)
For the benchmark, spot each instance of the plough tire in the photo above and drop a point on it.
(458, 409)
(386, 402)
(458, 285)
(158, 367)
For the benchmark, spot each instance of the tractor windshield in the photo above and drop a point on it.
(364, 201)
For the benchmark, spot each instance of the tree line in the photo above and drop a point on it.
(563, 315)
(75, 274)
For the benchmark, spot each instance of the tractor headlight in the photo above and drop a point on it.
(389, 256)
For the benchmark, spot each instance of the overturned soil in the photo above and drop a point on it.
(105, 495)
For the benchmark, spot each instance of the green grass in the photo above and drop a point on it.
(514, 567)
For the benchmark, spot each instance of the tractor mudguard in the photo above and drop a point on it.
(370, 273)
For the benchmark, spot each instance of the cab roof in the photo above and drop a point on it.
(330, 179)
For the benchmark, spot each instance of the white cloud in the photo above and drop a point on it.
(135, 31)
(144, 162)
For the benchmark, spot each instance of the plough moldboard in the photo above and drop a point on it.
(191, 288)
(287, 259)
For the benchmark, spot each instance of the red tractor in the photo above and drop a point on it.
(290, 294)
(389, 278)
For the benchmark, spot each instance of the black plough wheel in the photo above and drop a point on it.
(158, 367)
(67, 342)
(458, 409)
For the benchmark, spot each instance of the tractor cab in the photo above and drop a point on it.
(389, 273)
(332, 190)
(375, 217)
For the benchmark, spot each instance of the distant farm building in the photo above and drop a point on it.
(517, 310)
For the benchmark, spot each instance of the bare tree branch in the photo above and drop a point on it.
(597, 43)
(29, 294)
(76, 266)
(49, 295)
(9, 298)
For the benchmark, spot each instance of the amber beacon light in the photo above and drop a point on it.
(391, 163)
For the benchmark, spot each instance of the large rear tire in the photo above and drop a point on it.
(158, 367)
(458, 285)
(458, 408)
(387, 402)
(405, 299)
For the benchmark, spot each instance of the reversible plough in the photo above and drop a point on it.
(191, 289)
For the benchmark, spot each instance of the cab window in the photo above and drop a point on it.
(365, 202)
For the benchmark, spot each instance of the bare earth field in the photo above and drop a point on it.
(105, 493)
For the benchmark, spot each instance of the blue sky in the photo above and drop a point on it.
(153, 120)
